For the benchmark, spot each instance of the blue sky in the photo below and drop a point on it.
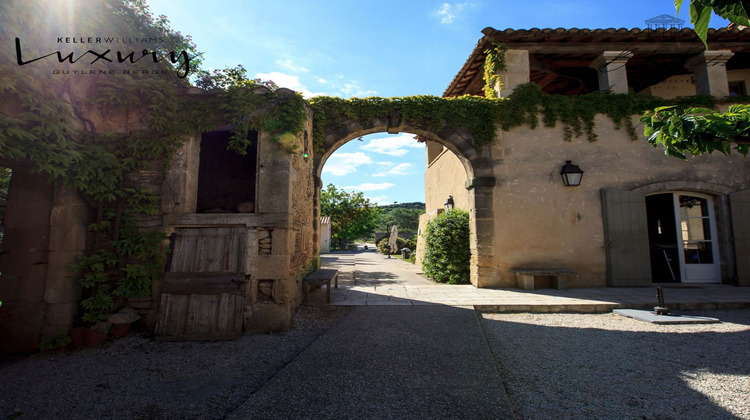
(382, 48)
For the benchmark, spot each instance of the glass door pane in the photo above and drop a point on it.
(696, 237)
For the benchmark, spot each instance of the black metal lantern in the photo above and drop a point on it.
(448, 203)
(571, 174)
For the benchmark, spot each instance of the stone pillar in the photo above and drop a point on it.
(710, 71)
(610, 66)
(484, 272)
(517, 72)
(68, 229)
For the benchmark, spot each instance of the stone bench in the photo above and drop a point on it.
(562, 277)
(320, 278)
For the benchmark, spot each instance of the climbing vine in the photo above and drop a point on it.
(56, 124)
(494, 63)
(482, 116)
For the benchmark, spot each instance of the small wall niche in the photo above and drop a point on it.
(226, 180)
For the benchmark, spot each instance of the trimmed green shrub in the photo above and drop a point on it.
(401, 243)
(447, 257)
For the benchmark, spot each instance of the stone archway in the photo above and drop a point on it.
(480, 182)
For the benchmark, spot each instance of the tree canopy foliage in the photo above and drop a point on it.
(406, 218)
(352, 214)
(737, 11)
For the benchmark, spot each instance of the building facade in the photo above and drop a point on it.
(639, 217)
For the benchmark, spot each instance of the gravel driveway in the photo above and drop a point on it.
(137, 378)
(554, 366)
(573, 366)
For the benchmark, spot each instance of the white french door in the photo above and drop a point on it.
(696, 238)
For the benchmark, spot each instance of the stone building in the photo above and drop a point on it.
(638, 217)
(240, 231)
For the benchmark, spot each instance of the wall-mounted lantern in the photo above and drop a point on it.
(571, 174)
(448, 203)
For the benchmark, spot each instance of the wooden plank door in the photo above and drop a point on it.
(209, 250)
(201, 306)
(626, 238)
(203, 294)
(739, 204)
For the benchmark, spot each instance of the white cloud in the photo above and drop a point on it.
(341, 87)
(369, 186)
(381, 200)
(345, 163)
(288, 81)
(448, 12)
(289, 65)
(394, 146)
(400, 169)
(346, 88)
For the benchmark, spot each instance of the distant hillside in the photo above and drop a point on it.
(403, 215)
(415, 205)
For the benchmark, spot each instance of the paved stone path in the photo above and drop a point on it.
(410, 348)
(369, 278)
(389, 362)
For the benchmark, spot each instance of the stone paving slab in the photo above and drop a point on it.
(367, 278)
(651, 317)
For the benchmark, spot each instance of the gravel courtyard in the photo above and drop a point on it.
(573, 366)
(554, 366)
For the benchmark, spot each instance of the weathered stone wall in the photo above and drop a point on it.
(541, 223)
(279, 231)
(45, 231)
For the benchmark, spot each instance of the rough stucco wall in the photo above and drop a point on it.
(445, 176)
(541, 223)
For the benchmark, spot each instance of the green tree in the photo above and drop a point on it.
(352, 214)
(700, 13)
(700, 130)
(404, 218)
(447, 254)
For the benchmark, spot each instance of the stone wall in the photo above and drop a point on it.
(541, 223)
(45, 231)
(279, 230)
(445, 175)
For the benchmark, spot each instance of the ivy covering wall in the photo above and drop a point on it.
(57, 124)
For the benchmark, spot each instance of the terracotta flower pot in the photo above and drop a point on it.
(94, 337)
(120, 330)
(78, 336)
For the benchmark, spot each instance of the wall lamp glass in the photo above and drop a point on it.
(571, 174)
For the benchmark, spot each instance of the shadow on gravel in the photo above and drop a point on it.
(136, 377)
(604, 372)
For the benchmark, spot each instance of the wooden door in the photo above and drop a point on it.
(209, 250)
(626, 238)
(203, 295)
(201, 306)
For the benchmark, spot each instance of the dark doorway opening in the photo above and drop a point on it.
(662, 239)
(226, 179)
